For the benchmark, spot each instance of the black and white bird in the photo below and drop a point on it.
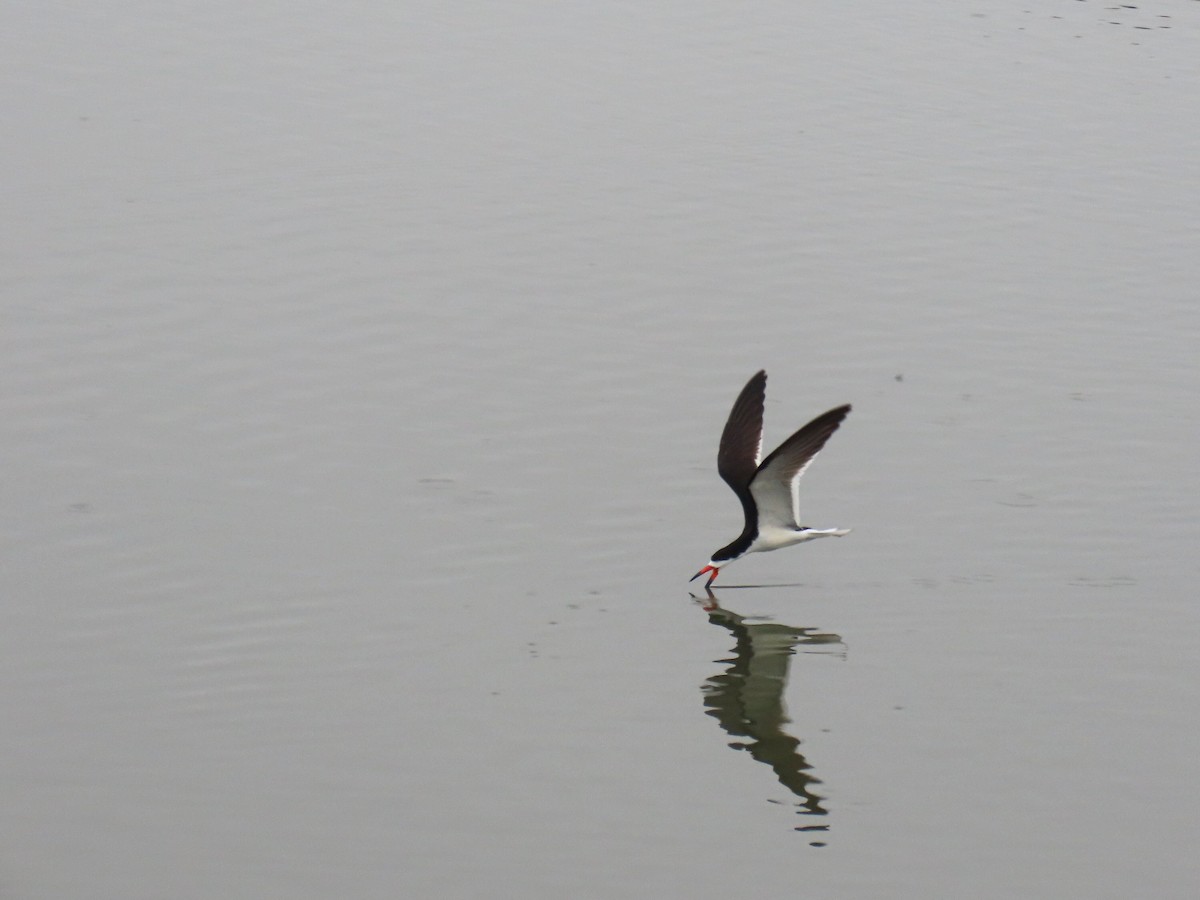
(768, 488)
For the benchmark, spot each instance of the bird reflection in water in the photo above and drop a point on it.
(747, 700)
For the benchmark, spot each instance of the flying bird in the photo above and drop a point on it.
(768, 488)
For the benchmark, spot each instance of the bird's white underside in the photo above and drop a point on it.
(774, 538)
(778, 498)
(778, 501)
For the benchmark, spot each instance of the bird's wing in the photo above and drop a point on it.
(775, 485)
(741, 441)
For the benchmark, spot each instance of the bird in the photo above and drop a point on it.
(768, 488)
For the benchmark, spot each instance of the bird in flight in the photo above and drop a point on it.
(768, 488)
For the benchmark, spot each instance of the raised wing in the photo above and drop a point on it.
(775, 486)
(741, 441)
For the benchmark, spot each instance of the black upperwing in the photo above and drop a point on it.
(738, 456)
(741, 441)
(774, 486)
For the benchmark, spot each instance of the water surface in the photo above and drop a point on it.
(361, 379)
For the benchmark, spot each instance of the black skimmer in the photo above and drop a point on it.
(768, 489)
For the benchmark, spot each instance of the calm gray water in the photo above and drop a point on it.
(362, 371)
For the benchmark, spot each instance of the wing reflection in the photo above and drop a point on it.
(747, 699)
